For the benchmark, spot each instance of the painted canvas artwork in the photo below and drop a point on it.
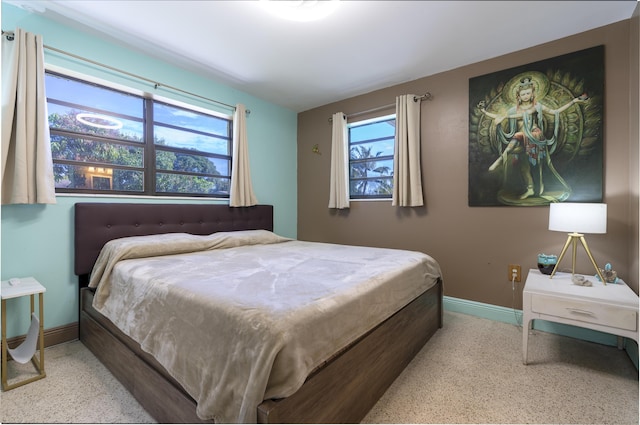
(536, 132)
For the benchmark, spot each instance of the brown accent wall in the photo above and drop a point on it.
(475, 245)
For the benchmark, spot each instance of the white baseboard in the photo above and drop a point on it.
(514, 317)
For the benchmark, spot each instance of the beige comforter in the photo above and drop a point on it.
(241, 317)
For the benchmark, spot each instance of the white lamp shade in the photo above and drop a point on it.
(578, 218)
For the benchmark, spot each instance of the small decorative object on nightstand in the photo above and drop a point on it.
(610, 275)
(546, 263)
(580, 280)
(14, 288)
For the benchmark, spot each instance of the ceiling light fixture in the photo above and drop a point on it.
(300, 10)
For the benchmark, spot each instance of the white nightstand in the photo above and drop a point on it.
(26, 350)
(611, 308)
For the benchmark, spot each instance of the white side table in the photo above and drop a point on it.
(611, 308)
(26, 350)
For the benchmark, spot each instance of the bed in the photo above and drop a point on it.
(338, 386)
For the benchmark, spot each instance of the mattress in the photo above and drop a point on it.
(240, 317)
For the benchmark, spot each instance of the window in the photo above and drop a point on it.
(371, 145)
(109, 141)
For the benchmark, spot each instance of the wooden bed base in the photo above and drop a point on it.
(343, 390)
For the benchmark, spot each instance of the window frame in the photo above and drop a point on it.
(391, 177)
(149, 148)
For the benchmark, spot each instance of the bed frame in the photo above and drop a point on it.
(343, 390)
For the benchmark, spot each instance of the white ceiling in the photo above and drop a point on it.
(363, 46)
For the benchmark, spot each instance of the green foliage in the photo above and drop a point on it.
(364, 164)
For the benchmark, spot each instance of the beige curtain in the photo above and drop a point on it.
(241, 192)
(339, 182)
(27, 167)
(407, 181)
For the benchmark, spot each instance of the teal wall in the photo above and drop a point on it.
(37, 240)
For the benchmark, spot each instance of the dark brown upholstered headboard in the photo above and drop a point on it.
(98, 223)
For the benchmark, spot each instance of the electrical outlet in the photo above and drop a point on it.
(514, 268)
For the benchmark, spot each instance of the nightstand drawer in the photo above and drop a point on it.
(602, 314)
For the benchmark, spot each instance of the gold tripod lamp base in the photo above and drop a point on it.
(573, 241)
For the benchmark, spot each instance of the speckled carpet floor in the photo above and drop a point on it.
(470, 372)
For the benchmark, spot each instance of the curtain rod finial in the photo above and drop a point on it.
(9, 34)
(426, 96)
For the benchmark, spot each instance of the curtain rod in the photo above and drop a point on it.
(156, 85)
(426, 96)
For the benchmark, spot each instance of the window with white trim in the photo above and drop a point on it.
(371, 146)
(105, 140)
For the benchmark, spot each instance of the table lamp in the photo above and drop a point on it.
(577, 219)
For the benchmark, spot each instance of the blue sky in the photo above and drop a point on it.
(118, 105)
(368, 130)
